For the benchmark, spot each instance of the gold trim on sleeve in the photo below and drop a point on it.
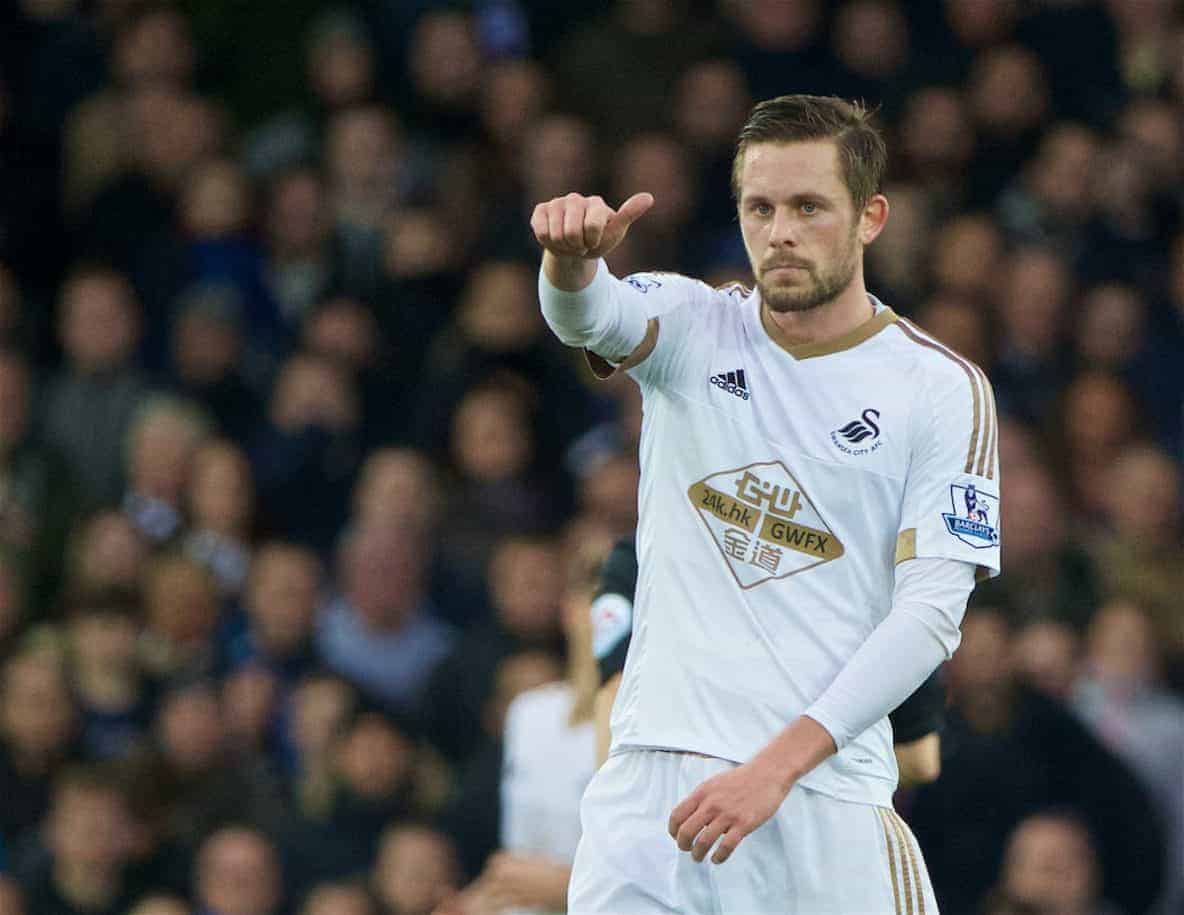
(991, 424)
(906, 545)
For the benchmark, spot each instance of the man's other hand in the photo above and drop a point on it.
(726, 808)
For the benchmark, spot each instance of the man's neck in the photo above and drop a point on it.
(838, 317)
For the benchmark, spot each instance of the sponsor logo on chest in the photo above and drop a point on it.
(763, 523)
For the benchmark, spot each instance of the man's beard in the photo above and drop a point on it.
(823, 288)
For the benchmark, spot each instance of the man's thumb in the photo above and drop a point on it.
(634, 208)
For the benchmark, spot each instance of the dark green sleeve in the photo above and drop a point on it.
(921, 713)
(618, 577)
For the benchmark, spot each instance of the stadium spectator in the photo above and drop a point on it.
(345, 330)
(381, 631)
(548, 757)
(300, 266)
(89, 407)
(1014, 753)
(1099, 420)
(251, 698)
(321, 706)
(497, 336)
(959, 323)
(334, 831)
(1140, 558)
(500, 487)
(39, 504)
(525, 585)
(618, 70)
(936, 142)
(1051, 202)
(281, 600)
(114, 700)
(1047, 657)
(968, 256)
(38, 731)
(1008, 95)
(107, 551)
(206, 357)
(220, 502)
(87, 835)
(1054, 578)
(339, 71)
(238, 874)
(472, 816)
(180, 615)
(1050, 866)
(152, 46)
(363, 157)
(198, 783)
(415, 871)
(1121, 699)
(305, 455)
(169, 131)
(162, 440)
(1032, 301)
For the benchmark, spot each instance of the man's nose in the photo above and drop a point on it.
(783, 230)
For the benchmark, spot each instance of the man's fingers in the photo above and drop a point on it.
(555, 225)
(574, 207)
(538, 225)
(690, 828)
(680, 813)
(596, 217)
(707, 838)
(634, 208)
(727, 845)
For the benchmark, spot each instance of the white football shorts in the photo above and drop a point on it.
(816, 856)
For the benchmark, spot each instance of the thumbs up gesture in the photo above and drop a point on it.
(585, 227)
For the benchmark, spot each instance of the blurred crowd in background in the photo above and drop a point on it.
(297, 493)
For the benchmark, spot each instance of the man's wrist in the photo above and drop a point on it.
(796, 751)
(569, 272)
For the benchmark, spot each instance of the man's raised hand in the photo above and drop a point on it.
(586, 227)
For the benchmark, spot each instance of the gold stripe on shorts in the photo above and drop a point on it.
(903, 834)
(891, 857)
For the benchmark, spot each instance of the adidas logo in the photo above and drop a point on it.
(732, 382)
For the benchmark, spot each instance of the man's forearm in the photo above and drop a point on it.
(589, 310)
(919, 633)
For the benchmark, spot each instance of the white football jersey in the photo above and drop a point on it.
(779, 488)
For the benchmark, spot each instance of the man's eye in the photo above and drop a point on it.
(763, 209)
(809, 208)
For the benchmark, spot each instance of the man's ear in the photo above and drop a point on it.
(873, 219)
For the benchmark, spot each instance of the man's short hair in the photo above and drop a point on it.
(798, 118)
